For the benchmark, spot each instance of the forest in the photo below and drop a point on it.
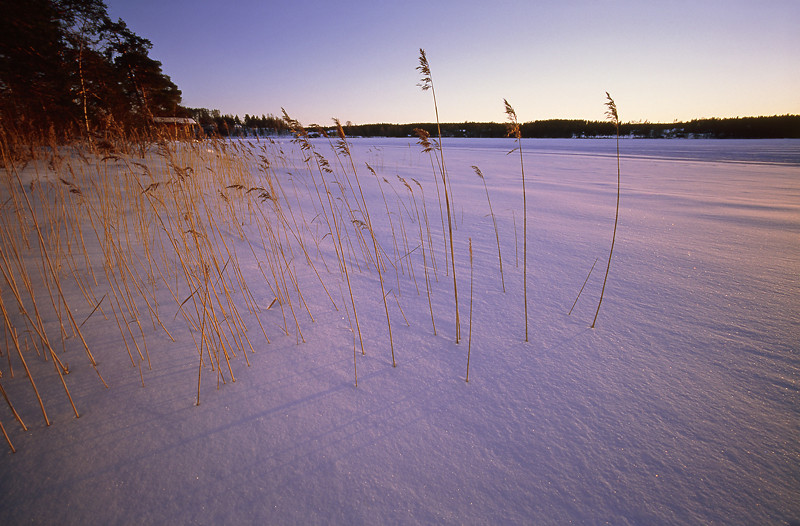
(771, 127)
(66, 66)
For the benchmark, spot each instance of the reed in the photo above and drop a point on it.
(408, 250)
(191, 223)
(11, 406)
(424, 258)
(426, 83)
(305, 145)
(427, 147)
(613, 116)
(516, 240)
(10, 444)
(514, 131)
(494, 223)
(391, 224)
(582, 286)
(432, 252)
(344, 148)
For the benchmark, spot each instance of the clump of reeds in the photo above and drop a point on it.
(613, 116)
(514, 131)
(344, 148)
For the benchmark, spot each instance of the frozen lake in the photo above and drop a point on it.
(765, 151)
(681, 407)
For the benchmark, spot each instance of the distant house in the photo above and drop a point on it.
(178, 127)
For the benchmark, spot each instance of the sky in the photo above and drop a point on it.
(356, 60)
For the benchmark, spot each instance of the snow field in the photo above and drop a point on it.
(681, 406)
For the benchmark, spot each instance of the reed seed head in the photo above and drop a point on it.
(425, 71)
(341, 142)
(512, 125)
(424, 140)
(611, 112)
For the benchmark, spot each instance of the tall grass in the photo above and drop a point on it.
(140, 233)
(479, 173)
(613, 116)
(514, 131)
(344, 148)
(426, 83)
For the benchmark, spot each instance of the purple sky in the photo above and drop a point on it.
(355, 60)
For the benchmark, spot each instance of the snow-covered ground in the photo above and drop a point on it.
(682, 405)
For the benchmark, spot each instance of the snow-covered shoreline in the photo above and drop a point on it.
(680, 407)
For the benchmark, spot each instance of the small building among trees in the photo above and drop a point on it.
(178, 127)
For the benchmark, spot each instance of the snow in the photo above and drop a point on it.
(680, 407)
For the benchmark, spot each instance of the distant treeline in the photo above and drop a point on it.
(774, 127)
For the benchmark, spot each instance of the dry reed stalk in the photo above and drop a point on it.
(345, 149)
(613, 116)
(347, 311)
(279, 271)
(424, 141)
(248, 295)
(427, 84)
(168, 229)
(391, 223)
(38, 324)
(400, 308)
(116, 288)
(494, 222)
(97, 306)
(431, 251)
(122, 333)
(516, 241)
(11, 406)
(3, 429)
(408, 251)
(424, 258)
(279, 295)
(302, 137)
(238, 327)
(582, 286)
(309, 261)
(341, 148)
(210, 297)
(303, 218)
(54, 275)
(209, 312)
(514, 130)
(230, 317)
(194, 251)
(8, 354)
(15, 339)
(342, 228)
(200, 352)
(128, 300)
(142, 293)
(63, 383)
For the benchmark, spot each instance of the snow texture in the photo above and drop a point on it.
(682, 406)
